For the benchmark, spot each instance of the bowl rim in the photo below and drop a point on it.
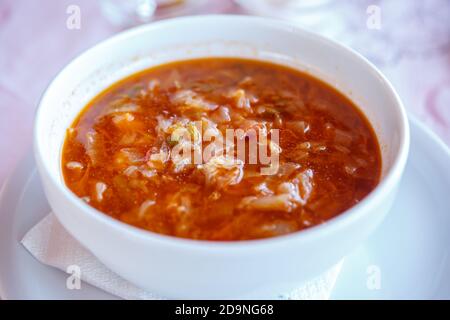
(385, 186)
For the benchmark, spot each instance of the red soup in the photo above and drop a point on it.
(155, 151)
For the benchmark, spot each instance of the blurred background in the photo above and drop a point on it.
(409, 40)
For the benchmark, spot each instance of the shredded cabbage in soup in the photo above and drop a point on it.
(122, 155)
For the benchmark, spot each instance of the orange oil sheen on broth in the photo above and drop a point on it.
(116, 155)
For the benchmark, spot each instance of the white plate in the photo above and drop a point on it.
(407, 258)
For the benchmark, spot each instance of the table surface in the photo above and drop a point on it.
(412, 48)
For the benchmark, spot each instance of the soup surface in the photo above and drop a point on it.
(154, 150)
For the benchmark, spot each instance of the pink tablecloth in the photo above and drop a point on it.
(35, 43)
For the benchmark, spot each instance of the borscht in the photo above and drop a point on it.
(221, 149)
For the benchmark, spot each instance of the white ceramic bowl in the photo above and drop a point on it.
(181, 268)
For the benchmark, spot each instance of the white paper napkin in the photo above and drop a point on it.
(52, 245)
